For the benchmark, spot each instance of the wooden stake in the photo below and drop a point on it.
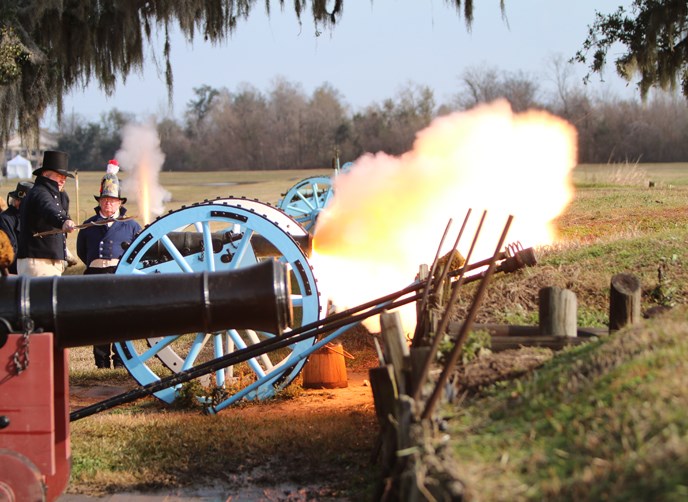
(558, 312)
(624, 301)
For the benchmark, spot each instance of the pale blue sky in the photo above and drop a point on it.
(370, 55)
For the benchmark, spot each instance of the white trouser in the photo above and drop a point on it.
(40, 267)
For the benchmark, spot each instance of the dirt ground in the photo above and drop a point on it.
(357, 395)
(257, 484)
(355, 398)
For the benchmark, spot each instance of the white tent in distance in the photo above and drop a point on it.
(19, 167)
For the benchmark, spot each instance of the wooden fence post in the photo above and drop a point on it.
(395, 348)
(558, 312)
(624, 301)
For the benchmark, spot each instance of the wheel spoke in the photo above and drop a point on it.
(328, 196)
(296, 209)
(305, 200)
(176, 255)
(316, 196)
(208, 247)
(157, 347)
(219, 374)
(239, 342)
(196, 347)
(242, 248)
(253, 336)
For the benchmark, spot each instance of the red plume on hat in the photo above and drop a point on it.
(109, 185)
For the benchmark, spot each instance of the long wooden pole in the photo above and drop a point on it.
(465, 327)
(85, 225)
(76, 186)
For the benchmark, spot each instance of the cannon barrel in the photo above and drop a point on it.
(97, 309)
(189, 243)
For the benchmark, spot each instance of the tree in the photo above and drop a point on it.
(655, 36)
(175, 144)
(236, 134)
(288, 108)
(484, 84)
(325, 128)
(91, 145)
(50, 47)
(391, 126)
(197, 110)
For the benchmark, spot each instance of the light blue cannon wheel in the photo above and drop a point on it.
(305, 200)
(241, 224)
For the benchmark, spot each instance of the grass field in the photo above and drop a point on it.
(606, 420)
(592, 425)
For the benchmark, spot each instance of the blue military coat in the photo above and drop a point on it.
(103, 241)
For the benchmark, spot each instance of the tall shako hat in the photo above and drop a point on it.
(54, 160)
(109, 185)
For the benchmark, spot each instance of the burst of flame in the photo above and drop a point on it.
(140, 153)
(388, 213)
(144, 194)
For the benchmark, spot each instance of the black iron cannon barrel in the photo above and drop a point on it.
(188, 243)
(97, 309)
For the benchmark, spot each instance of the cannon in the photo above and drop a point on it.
(222, 234)
(253, 339)
(41, 317)
(306, 199)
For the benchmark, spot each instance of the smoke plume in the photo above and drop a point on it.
(141, 157)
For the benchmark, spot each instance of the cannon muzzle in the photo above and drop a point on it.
(97, 309)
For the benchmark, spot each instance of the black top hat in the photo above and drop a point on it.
(54, 161)
(20, 191)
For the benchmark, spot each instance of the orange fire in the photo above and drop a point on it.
(388, 214)
(144, 194)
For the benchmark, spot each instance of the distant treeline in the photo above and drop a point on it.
(285, 128)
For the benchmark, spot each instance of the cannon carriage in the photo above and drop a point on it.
(223, 234)
(307, 198)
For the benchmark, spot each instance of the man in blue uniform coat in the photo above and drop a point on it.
(100, 246)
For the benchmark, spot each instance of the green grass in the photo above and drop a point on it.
(606, 230)
(604, 421)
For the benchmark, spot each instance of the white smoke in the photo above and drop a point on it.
(141, 157)
(388, 213)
